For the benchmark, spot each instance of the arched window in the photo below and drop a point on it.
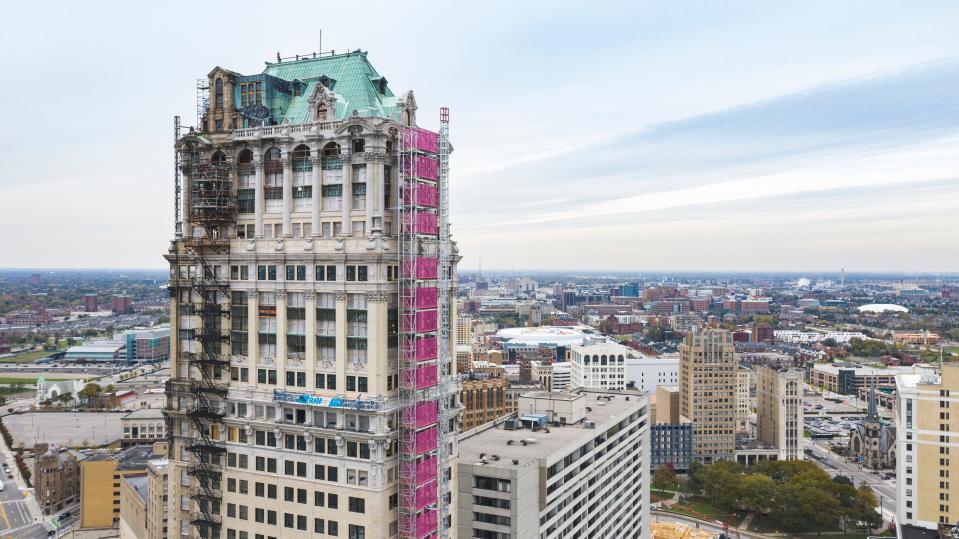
(218, 93)
(245, 158)
(331, 151)
(301, 158)
(218, 157)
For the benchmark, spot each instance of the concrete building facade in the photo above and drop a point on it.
(744, 400)
(647, 373)
(571, 464)
(779, 410)
(708, 381)
(599, 365)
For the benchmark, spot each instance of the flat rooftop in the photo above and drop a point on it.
(493, 438)
(145, 413)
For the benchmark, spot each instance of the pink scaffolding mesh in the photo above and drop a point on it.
(424, 268)
(424, 470)
(424, 297)
(426, 523)
(426, 376)
(421, 139)
(421, 223)
(421, 166)
(425, 413)
(425, 322)
(420, 350)
(421, 194)
(426, 495)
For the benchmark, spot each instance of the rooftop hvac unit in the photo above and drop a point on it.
(494, 457)
(590, 424)
(515, 461)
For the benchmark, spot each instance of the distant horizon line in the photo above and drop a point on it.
(556, 271)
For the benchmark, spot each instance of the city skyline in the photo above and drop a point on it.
(832, 144)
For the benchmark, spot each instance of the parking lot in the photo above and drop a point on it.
(64, 428)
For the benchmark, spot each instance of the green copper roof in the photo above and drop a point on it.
(356, 85)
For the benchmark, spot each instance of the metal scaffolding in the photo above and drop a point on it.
(424, 366)
(196, 395)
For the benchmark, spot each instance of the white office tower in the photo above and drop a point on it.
(567, 464)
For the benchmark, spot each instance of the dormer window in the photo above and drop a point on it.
(321, 113)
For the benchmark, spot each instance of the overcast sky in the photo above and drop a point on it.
(591, 135)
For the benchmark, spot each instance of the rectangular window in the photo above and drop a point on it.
(357, 505)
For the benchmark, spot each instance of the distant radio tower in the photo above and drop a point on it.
(842, 278)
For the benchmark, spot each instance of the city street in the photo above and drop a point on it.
(20, 515)
(835, 465)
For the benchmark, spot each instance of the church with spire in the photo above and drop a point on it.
(873, 442)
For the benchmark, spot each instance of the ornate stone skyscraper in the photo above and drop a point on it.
(311, 280)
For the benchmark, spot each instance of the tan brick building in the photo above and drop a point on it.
(707, 382)
(484, 400)
(927, 448)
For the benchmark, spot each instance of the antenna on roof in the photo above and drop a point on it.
(320, 50)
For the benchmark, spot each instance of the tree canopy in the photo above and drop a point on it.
(798, 495)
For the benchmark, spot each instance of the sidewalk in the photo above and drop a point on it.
(30, 500)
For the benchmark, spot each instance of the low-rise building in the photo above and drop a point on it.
(100, 482)
(648, 373)
(915, 337)
(56, 478)
(143, 426)
(599, 365)
(539, 474)
(484, 400)
(849, 379)
(149, 345)
(671, 444)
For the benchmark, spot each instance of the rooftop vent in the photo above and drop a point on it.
(515, 461)
(509, 442)
(590, 424)
(494, 457)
